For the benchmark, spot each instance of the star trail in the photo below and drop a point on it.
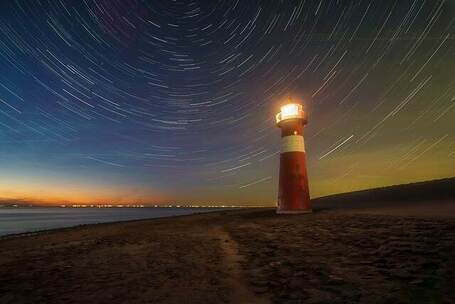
(174, 101)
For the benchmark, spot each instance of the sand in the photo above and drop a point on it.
(242, 256)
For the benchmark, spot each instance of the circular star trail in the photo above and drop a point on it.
(174, 101)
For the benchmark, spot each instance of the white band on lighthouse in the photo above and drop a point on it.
(292, 143)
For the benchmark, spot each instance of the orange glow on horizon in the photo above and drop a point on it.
(55, 194)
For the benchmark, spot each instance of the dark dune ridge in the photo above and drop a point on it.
(429, 198)
(440, 189)
(335, 255)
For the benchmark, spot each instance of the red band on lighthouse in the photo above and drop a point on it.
(293, 193)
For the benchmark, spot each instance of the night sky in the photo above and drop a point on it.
(174, 101)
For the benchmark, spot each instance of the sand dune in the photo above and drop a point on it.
(431, 198)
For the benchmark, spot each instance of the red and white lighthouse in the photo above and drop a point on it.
(293, 193)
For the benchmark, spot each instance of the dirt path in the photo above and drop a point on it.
(241, 289)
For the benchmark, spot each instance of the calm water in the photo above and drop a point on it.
(19, 220)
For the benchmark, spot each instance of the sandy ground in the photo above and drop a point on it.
(335, 255)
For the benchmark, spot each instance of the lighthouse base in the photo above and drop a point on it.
(294, 211)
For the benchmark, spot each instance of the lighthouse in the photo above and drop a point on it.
(293, 192)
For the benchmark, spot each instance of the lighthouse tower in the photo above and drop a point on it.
(293, 193)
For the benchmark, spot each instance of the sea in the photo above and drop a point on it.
(32, 219)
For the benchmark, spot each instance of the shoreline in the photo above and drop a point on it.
(50, 230)
(386, 209)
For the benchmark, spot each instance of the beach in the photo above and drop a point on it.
(239, 256)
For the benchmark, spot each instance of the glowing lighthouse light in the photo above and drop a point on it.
(293, 193)
(291, 110)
